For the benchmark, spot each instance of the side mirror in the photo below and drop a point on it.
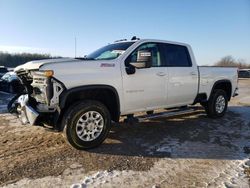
(144, 59)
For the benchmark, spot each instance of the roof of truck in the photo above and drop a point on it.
(152, 40)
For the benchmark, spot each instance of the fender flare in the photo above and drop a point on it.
(218, 82)
(66, 93)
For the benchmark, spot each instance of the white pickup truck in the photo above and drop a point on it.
(82, 96)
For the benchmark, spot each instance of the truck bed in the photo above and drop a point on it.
(210, 75)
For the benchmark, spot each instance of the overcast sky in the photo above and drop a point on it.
(214, 28)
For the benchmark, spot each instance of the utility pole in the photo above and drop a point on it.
(75, 47)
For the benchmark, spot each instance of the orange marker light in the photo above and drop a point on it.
(48, 73)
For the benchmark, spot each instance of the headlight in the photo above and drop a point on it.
(43, 73)
(42, 86)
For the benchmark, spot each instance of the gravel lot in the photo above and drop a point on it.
(185, 151)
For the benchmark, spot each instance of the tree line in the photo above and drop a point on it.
(229, 61)
(13, 60)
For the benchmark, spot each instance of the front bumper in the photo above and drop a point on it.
(26, 113)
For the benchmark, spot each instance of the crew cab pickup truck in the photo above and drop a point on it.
(82, 96)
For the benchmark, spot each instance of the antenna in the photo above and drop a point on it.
(75, 47)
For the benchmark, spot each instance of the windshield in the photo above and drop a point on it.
(111, 51)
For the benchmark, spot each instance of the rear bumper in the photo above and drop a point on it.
(26, 113)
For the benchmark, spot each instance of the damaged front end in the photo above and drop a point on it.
(40, 100)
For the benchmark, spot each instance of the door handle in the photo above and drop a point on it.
(193, 73)
(160, 73)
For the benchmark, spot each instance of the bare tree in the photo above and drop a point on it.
(229, 61)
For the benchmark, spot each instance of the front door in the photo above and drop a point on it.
(146, 88)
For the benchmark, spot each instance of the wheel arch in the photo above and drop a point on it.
(225, 85)
(106, 94)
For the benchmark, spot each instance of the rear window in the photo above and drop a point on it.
(176, 55)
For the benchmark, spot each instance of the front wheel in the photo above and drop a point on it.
(87, 124)
(217, 104)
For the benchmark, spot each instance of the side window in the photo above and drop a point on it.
(177, 56)
(153, 48)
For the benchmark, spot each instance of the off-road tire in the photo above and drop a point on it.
(74, 113)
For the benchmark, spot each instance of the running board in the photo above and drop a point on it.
(165, 114)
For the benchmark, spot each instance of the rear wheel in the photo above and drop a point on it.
(87, 124)
(217, 104)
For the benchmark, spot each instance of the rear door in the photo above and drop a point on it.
(182, 74)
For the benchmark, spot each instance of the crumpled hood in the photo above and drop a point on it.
(35, 65)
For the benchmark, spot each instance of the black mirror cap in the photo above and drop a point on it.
(130, 70)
